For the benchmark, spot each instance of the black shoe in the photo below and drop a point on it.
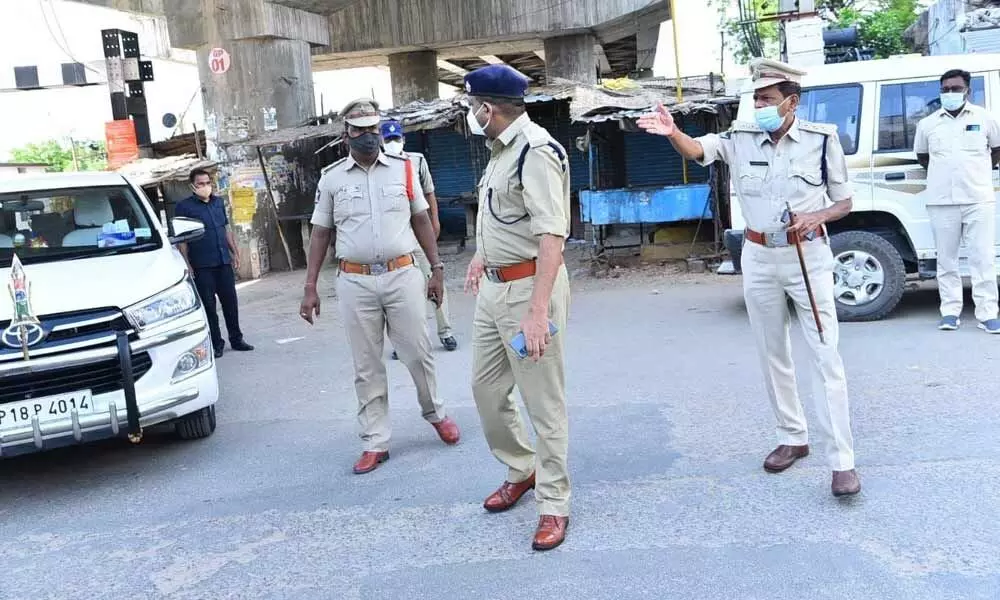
(394, 355)
(218, 352)
(241, 346)
(450, 343)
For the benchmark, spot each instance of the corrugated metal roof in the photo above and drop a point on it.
(588, 104)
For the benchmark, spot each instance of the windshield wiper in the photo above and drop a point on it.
(126, 249)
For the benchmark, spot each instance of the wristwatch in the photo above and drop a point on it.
(439, 265)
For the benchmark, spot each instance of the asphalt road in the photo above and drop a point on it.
(669, 426)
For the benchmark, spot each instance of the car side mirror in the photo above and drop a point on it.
(186, 230)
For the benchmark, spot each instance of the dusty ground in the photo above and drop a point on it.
(669, 425)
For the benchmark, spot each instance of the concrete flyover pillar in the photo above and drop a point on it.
(255, 67)
(414, 76)
(571, 57)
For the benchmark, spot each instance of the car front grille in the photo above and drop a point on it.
(98, 377)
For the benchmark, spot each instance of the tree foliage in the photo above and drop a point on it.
(880, 24)
(90, 155)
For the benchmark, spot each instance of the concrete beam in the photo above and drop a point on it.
(144, 7)
(376, 25)
(452, 68)
(571, 57)
(194, 23)
(492, 59)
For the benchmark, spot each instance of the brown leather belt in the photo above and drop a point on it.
(779, 239)
(510, 272)
(377, 268)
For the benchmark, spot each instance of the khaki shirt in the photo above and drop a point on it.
(960, 170)
(369, 208)
(423, 171)
(514, 213)
(767, 175)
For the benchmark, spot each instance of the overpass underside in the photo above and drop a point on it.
(272, 48)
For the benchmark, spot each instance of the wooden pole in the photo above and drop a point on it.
(274, 209)
(677, 68)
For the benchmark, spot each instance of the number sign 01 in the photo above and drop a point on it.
(218, 61)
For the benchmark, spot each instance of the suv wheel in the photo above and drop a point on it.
(197, 425)
(868, 276)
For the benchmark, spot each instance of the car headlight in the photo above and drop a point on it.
(193, 361)
(175, 302)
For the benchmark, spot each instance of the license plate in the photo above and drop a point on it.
(20, 413)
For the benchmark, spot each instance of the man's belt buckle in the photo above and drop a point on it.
(493, 274)
(378, 268)
(776, 239)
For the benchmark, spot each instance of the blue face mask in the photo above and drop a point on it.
(769, 119)
(952, 100)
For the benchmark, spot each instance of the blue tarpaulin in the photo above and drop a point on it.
(647, 205)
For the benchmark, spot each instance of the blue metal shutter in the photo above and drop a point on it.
(650, 160)
(450, 159)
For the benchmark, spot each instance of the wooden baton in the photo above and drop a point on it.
(805, 275)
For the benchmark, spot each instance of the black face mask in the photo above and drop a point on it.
(365, 144)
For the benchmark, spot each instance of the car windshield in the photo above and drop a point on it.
(68, 224)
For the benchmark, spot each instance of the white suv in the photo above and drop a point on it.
(103, 332)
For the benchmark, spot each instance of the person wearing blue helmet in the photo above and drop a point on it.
(393, 140)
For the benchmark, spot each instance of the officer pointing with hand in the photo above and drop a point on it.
(777, 162)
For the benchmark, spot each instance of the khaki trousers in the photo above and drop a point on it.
(978, 223)
(371, 306)
(440, 312)
(769, 275)
(496, 369)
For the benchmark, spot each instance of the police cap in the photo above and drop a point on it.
(766, 72)
(391, 129)
(362, 112)
(499, 81)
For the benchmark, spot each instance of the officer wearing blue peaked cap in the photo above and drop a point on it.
(498, 81)
(522, 225)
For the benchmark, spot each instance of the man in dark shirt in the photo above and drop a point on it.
(213, 260)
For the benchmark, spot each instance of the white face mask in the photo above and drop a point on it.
(952, 100)
(473, 122)
(394, 147)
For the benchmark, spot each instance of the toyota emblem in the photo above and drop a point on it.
(11, 337)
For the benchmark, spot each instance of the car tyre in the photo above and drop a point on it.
(876, 256)
(197, 425)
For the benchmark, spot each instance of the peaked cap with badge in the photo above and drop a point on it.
(765, 72)
(499, 81)
(391, 129)
(362, 112)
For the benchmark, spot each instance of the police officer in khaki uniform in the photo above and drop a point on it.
(782, 159)
(522, 286)
(371, 205)
(392, 137)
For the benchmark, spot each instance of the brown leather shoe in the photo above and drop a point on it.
(370, 461)
(508, 494)
(783, 457)
(845, 483)
(550, 533)
(447, 431)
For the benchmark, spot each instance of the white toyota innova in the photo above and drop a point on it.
(102, 332)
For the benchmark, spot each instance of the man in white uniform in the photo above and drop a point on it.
(782, 159)
(959, 146)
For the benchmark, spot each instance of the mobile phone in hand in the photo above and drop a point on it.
(519, 345)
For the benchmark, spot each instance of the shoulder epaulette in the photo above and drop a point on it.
(331, 165)
(538, 137)
(821, 128)
(744, 127)
(396, 156)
